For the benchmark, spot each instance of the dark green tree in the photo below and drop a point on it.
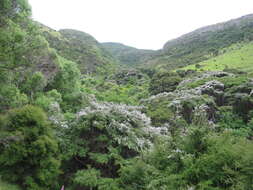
(28, 150)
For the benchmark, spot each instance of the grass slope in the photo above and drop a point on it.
(239, 56)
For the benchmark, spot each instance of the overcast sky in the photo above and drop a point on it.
(146, 24)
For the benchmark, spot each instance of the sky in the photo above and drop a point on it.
(144, 24)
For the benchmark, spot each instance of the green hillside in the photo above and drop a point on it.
(128, 56)
(239, 56)
(203, 43)
(81, 48)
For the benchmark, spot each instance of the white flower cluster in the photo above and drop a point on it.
(56, 116)
(127, 124)
(204, 76)
(174, 100)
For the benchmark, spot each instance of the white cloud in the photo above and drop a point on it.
(140, 23)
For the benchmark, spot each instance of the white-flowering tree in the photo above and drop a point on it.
(101, 136)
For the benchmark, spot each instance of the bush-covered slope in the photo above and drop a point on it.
(127, 55)
(203, 43)
(81, 48)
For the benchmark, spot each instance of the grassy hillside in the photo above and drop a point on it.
(127, 55)
(239, 56)
(203, 43)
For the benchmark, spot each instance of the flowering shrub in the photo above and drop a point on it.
(103, 135)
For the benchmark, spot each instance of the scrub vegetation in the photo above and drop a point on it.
(91, 116)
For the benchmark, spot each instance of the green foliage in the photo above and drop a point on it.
(228, 81)
(128, 94)
(108, 91)
(243, 104)
(20, 45)
(195, 142)
(11, 97)
(54, 95)
(13, 8)
(45, 100)
(87, 178)
(160, 113)
(199, 160)
(128, 56)
(14, 46)
(6, 186)
(198, 83)
(92, 179)
(221, 166)
(28, 151)
(135, 175)
(75, 101)
(67, 79)
(100, 138)
(34, 84)
(22, 53)
(164, 82)
(233, 122)
(82, 48)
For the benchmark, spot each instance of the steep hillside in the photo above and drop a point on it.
(203, 43)
(127, 55)
(81, 48)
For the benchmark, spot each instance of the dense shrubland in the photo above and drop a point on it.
(115, 128)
